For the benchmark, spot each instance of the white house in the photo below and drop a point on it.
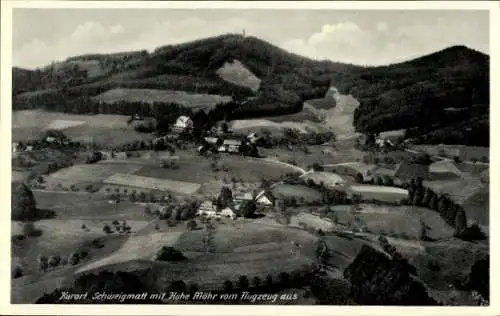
(230, 145)
(207, 208)
(184, 122)
(253, 137)
(265, 198)
(50, 139)
(14, 147)
(229, 212)
(245, 197)
(29, 148)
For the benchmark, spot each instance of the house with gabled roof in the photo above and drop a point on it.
(229, 211)
(265, 197)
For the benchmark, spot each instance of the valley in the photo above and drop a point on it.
(242, 174)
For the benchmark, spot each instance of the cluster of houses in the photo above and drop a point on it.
(228, 145)
(209, 209)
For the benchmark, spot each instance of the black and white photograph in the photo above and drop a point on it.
(248, 155)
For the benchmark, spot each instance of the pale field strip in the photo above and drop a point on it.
(63, 124)
(94, 172)
(136, 248)
(378, 189)
(153, 183)
(327, 178)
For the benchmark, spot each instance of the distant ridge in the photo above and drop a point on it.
(410, 95)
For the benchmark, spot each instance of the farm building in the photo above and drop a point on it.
(229, 211)
(183, 123)
(211, 140)
(444, 169)
(230, 145)
(253, 138)
(245, 197)
(265, 198)
(207, 208)
(407, 171)
(392, 136)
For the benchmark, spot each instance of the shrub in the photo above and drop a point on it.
(54, 261)
(228, 286)
(243, 282)
(43, 263)
(106, 229)
(17, 272)
(73, 258)
(29, 229)
(169, 254)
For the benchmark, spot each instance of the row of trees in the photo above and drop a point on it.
(452, 213)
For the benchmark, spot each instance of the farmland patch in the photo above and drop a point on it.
(135, 248)
(63, 124)
(381, 193)
(152, 183)
(394, 220)
(93, 172)
(296, 191)
(190, 100)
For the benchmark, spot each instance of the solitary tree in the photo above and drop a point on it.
(43, 263)
(106, 229)
(460, 222)
(23, 203)
(243, 282)
(256, 282)
(54, 261)
(225, 197)
(17, 272)
(228, 286)
(73, 258)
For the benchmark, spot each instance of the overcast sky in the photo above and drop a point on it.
(360, 37)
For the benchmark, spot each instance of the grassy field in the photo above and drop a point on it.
(298, 192)
(320, 154)
(381, 193)
(169, 96)
(69, 205)
(59, 237)
(466, 153)
(151, 183)
(395, 220)
(109, 130)
(241, 248)
(235, 72)
(200, 169)
(277, 124)
(135, 248)
(93, 172)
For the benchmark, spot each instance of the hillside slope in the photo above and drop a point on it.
(265, 80)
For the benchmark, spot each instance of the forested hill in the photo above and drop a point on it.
(442, 97)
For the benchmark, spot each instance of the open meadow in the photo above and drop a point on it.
(299, 192)
(103, 129)
(380, 193)
(394, 220)
(191, 100)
